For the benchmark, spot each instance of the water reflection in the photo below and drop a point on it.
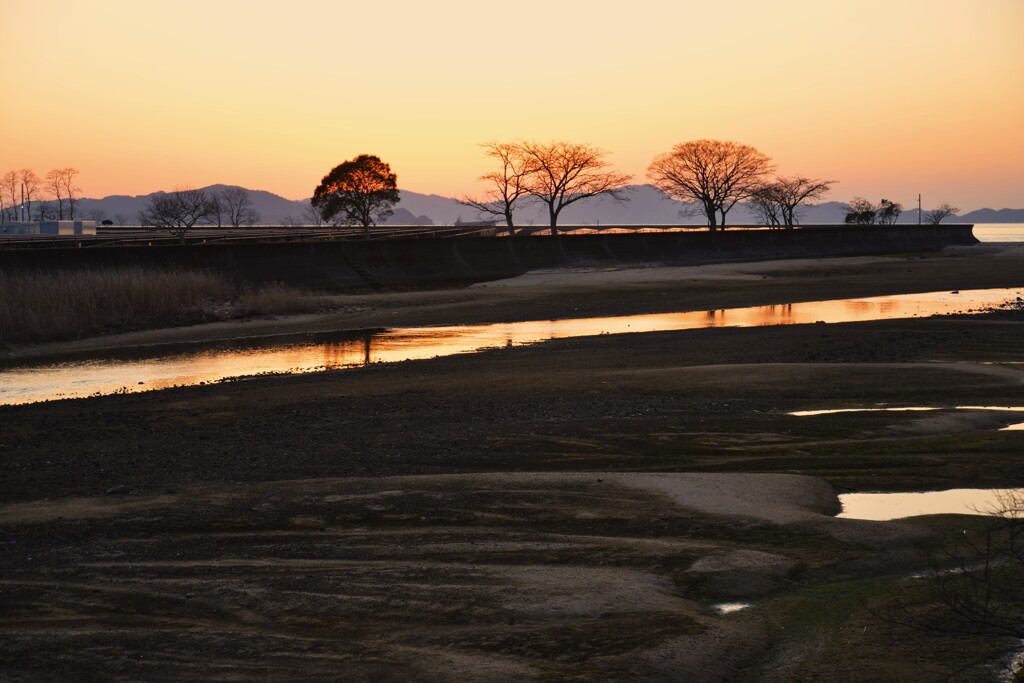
(833, 411)
(886, 506)
(730, 607)
(165, 366)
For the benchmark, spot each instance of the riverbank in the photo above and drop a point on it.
(532, 512)
(598, 292)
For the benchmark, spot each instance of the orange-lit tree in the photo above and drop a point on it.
(715, 174)
(563, 173)
(362, 191)
(505, 187)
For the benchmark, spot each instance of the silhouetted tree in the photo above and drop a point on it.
(179, 211)
(936, 216)
(766, 203)
(98, 215)
(888, 212)
(715, 174)
(29, 185)
(9, 190)
(67, 181)
(860, 212)
(777, 202)
(362, 191)
(56, 188)
(45, 211)
(504, 187)
(563, 173)
(237, 207)
(976, 587)
(216, 216)
(61, 184)
(311, 216)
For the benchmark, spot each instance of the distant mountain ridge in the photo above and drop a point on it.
(647, 205)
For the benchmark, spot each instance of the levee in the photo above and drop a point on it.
(414, 263)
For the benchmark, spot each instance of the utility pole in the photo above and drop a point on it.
(919, 208)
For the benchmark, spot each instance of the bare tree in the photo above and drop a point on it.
(98, 215)
(311, 215)
(216, 216)
(61, 184)
(976, 588)
(29, 186)
(45, 211)
(56, 187)
(9, 189)
(120, 219)
(564, 173)
(505, 187)
(179, 211)
(936, 216)
(779, 200)
(714, 173)
(238, 207)
(766, 202)
(67, 181)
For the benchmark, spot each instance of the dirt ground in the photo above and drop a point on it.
(573, 510)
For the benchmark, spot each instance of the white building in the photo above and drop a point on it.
(68, 228)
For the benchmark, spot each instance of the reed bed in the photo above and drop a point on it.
(59, 305)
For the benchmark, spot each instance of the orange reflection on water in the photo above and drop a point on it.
(886, 506)
(27, 384)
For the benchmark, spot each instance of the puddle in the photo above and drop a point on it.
(166, 366)
(834, 411)
(730, 607)
(1019, 427)
(887, 506)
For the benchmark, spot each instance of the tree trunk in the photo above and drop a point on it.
(553, 216)
(508, 222)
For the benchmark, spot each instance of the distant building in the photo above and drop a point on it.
(68, 228)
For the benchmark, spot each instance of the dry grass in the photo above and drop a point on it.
(55, 305)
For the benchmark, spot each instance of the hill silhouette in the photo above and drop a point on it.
(647, 205)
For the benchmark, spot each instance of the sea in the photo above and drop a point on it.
(999, 232)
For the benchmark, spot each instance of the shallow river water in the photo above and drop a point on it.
(886, 506)
(148, 368)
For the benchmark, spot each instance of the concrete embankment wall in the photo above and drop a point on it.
(407, 263)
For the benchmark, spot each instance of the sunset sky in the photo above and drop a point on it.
(890, 98)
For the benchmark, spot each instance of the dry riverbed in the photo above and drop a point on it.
(573, 510)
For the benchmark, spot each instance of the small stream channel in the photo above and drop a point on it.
(159, 367)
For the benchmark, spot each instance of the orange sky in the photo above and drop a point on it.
(890, 97)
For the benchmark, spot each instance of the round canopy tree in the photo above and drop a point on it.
(362, 191)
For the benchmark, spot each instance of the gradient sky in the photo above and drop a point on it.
(890, 97)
